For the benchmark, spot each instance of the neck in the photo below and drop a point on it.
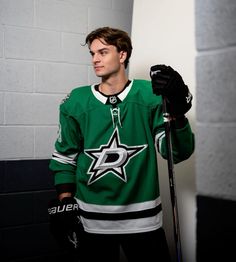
(113, 86)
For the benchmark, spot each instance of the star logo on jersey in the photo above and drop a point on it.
(111, 158)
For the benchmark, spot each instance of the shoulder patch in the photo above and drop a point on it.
(64, 99)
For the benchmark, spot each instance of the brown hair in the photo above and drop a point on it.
(112, 36)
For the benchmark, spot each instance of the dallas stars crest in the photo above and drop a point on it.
(111, 158)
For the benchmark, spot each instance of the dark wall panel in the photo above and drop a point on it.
(26, 186)
(216, 229)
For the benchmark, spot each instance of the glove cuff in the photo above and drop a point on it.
(180, 122)
(64, 188)
(180, 106)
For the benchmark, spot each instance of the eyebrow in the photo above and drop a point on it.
(99, 50)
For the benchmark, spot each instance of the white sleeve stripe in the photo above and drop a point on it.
(70, 159)
(158, 140)
(72, 156)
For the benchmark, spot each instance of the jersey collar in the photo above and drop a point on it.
(104, 99)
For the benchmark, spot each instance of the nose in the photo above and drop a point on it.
(95, 58)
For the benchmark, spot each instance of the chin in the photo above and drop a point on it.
(99, 74)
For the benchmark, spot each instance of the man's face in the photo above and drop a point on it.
(106, 59)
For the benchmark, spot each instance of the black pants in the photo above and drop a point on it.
(150, 246)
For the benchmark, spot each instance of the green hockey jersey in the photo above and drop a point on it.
(107, 146)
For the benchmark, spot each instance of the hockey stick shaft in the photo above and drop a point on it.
(170, 163)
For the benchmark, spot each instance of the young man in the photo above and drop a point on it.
(105, 155)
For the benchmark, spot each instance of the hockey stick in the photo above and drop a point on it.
(170, 163)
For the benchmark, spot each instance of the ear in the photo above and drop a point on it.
(123, 56)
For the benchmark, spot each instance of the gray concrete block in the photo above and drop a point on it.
(32, 109)
(1, 108)
(215, 24)
(16, 142)
(32, 44)
(216, 86)
(45, 138)
(114, 18)
(16, 76)
(1, 41)
(215, 160)
(19, 13)
(59, 77)
(73, 49)
(61, 16)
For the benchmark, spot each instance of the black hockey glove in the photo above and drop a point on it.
(64, 222)
(168, 83)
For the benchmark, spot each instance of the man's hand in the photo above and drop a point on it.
(65, 223)
(168, 83)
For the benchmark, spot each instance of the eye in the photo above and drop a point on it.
(103, 52)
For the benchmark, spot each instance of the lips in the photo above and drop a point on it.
(97, 68)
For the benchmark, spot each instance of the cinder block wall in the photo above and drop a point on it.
(41, 60)
(216, 130)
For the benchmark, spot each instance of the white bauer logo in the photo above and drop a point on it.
(63, 208)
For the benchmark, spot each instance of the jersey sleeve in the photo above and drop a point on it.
(182, 138)
(183, 143)
(67, 147)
